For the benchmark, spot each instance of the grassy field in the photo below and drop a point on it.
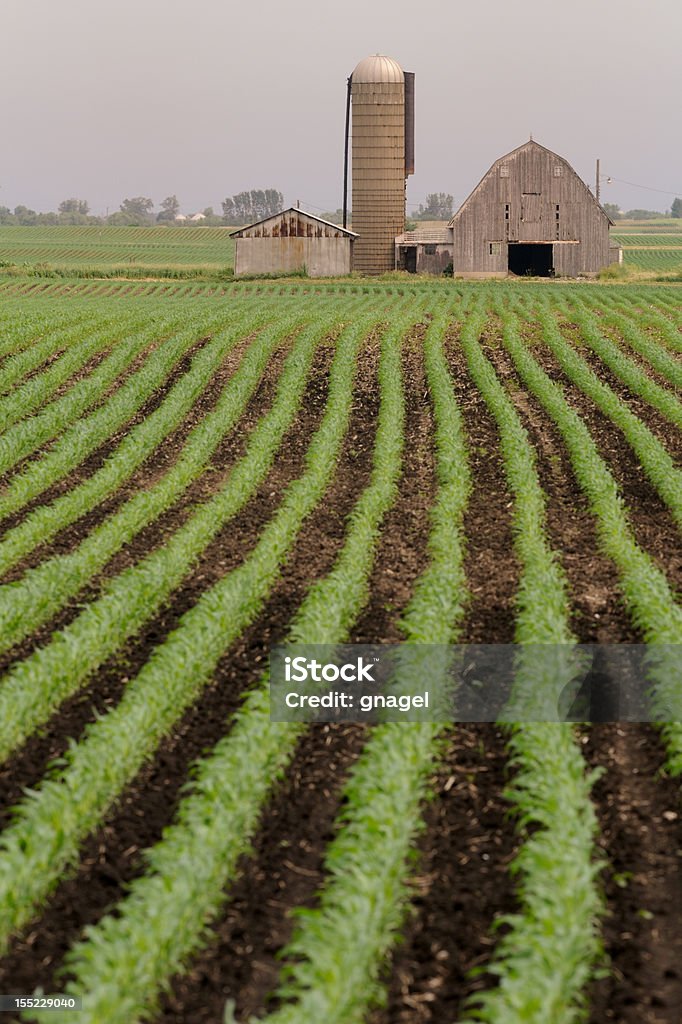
(649, 248)
(117, 248)
(196, 473)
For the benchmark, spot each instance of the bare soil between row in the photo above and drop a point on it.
(461, 882)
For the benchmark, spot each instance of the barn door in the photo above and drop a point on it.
(531, 217)
(531, 211)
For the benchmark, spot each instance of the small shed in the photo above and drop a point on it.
(427, 250)
(530, 214)
(292, 241)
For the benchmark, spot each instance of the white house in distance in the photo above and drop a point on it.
(290, 241)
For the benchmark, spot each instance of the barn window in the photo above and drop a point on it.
(495, 248)
(430, 250)
(504, 171)
(506, 211)
(557, 170)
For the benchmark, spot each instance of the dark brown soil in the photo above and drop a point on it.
(226, 551)
(403, 552)
(639, 818)
(660, 427)
(598, 614)
(95, 460)
(491, 566)
(285, 870)
(651, 521)
(111, 857)
(463, 884)
(149, 473)
(267, 892)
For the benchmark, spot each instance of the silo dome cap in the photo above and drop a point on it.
(378, 68)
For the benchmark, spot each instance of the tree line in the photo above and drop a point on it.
(242, 208)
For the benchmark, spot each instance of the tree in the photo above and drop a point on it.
(25, 216)
(334, 217)
(137, 209)
(170, 208)
(74, 206)
(612, 210)
(643, 214)
(676, 208)
(438, 206)
(246, 207)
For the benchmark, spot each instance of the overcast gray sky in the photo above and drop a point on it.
(205, 98)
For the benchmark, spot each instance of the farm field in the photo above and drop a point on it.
(200, 472)
(650, 247)
(109, 248)
(162, 251)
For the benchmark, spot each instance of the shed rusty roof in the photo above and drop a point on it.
(292, 209)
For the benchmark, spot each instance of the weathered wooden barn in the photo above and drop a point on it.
(530, 214)
(291, 241)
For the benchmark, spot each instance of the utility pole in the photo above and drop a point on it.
(597, 189)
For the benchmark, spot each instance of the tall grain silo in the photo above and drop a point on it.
(383, 155)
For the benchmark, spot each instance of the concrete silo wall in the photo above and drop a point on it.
(378, 170)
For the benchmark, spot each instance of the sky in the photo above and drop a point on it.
(204, 99)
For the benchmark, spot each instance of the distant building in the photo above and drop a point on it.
(427, 250)
(531, 214)
(197, 216)
(290, 241)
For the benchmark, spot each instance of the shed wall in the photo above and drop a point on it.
(322, 257)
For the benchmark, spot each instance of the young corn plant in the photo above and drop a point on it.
(215, 821)
(114, 747)
(36, 686)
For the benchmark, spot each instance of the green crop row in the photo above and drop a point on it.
(118, 971)
(24, 437)
(139, 444)
(633, 329)
(648, 596)
(654, 459)
(51, 823)
(84, 436)
(336, 955)
(541, 969)
(37, 685)
(29, 359)
(636, 379)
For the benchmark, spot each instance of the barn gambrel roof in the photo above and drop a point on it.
(528, 145)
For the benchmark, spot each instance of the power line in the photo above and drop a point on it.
(663, 191)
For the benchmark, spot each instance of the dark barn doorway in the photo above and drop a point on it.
(534, 259)
(407, 258)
